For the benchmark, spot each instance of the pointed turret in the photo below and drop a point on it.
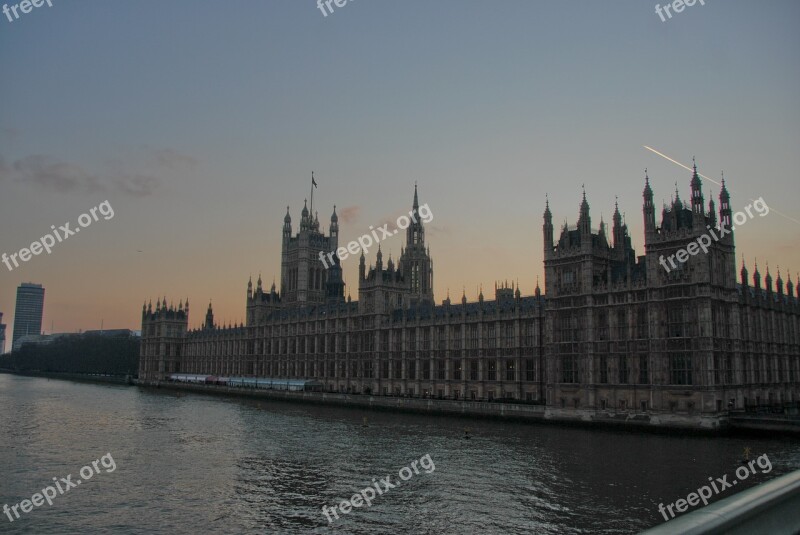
(287, 225)
(712, 212)
(743, 273)
(698, 204)
(677, 204)
(305, 220)
(209, 317)
(602, 231)
(618, 230)
(648, 209)
(768, 281)
(725, 209)
(756, 277)
(334, 232)
(547, 228)
(584, 220)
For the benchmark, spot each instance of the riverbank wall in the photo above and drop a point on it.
(700, 424)
(77, 377)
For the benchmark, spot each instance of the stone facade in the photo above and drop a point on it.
(613, 333)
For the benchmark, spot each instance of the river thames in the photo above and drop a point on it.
(197, 464)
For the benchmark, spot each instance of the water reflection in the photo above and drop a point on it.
(198, 464)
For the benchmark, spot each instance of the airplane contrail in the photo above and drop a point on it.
(714, 181)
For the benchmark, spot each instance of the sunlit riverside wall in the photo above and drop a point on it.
(612, 336)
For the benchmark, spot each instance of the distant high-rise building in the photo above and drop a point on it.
(28, 313)
(2, 335)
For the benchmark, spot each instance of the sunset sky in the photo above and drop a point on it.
(200, 121)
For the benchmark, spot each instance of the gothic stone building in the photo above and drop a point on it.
(613, 333)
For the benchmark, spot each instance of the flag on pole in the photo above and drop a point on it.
(313, 182)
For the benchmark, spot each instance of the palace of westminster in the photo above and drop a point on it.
(612, 331)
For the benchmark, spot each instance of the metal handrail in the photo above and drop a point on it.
(772, 507)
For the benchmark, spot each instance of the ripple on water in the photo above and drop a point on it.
(202, 464)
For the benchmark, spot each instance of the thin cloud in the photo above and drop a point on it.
(49, 173)
(10, 134)
(173, 159)
(137, 185)
(5, 170)
(349, 214)
(434, 230)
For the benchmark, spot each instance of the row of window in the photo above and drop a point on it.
(681, 370)
(495, 338)
(491, 370)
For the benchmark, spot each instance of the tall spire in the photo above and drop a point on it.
(547, 228)
(648, 209)
(584, 222)
(416, 200)
(725, 212)
(695, 177)
(698, 208)
(723, 194)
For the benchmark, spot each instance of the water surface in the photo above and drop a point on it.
(197, 464)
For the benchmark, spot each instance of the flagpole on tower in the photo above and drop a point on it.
(313, 185)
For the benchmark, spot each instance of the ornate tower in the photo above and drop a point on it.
(416, 264)
(648, 208)
(163, 332)
(547, 229)
(307, 261)
(698, 208)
